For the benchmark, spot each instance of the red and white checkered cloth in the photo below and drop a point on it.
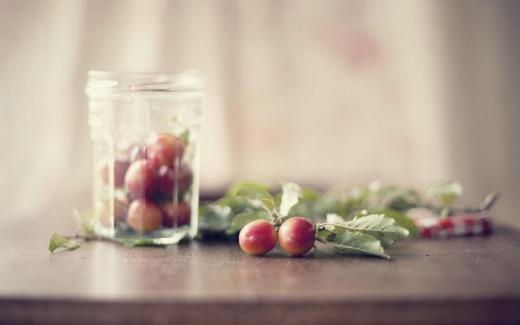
(431, 226)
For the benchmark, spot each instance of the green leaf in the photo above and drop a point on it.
(242, 219)
(58, 241)
(309, 194)
(334, 218)
(144, 242)
(181, 130)
(329, 204)
(233, 190)
(350, 242)
(86, 221)
(379, 226)
(402, 199)
(237, 204)
(214, 217)
(185, 137)
(376, 196)
(291, 194)
(133, 242)
(254, 194)
(445, 193)
(376, 225)
(403, 220)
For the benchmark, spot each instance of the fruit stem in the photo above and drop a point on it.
(487, 203)
(277, 219)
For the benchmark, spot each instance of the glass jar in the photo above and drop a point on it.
(145, 130)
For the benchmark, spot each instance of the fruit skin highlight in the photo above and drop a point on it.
(137, 152)
(257, 237)
(144, 216)
(175, 214)
(296, 236)
(164, 148)
(140, 178)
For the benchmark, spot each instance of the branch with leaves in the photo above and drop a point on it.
(364, 221)
(366, 234)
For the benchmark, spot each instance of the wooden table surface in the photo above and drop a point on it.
(473, 280)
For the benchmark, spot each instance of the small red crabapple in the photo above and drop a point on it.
(257, 237)
(296, 236)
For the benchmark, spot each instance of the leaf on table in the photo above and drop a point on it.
(334, 218)
(214, 217)
(86, 221)
(58, 241)
(291, 194)
(238, 204)
(309, 194)
(446, 193)
(350, 242)
(377, 225)
(242, 219)
(403, 220)
(144, 242)
(256, 194)
(233, 190)
(400, 199)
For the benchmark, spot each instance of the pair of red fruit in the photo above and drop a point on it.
(295, 236)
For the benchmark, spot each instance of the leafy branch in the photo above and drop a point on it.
(259, 197)
(364, 235)
(362, 222)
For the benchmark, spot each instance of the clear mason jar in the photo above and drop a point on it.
(145, 130)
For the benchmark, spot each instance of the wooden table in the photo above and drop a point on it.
(473, 280)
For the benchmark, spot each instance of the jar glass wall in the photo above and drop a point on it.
(145, 130)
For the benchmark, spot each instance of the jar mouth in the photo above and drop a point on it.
(108, 82)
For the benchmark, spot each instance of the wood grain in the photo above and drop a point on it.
(473, 280)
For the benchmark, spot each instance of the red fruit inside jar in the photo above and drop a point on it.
(140, 178)
(120, 168)
(296, 236)
(165, 148)
(182, 177)
(144, 216)
(120, 211)
(176, 215)
(164, 181)
(257, 237)
(137, 152)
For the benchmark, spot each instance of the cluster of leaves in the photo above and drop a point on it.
(226, 216)
(362, 221)
(364, 234)
(220, 218)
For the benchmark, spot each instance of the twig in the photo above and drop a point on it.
(486, 204)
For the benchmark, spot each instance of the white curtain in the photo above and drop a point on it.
(331, 93)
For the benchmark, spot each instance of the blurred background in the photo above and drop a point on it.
(325, 93)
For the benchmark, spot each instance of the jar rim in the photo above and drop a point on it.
(109, 82)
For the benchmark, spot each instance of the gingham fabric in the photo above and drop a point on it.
(454, 226)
